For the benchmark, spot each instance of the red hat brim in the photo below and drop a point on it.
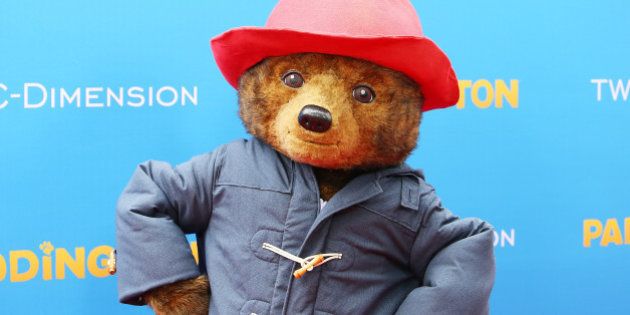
(419, 58)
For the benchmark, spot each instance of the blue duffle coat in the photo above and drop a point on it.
(402, 252)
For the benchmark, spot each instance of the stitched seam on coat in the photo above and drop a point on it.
(286, 192)
(284, 233)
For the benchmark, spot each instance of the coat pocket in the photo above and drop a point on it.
(400, 204)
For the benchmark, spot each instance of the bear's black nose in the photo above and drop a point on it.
(315, 118)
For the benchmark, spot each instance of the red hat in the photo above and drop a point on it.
(384, 32)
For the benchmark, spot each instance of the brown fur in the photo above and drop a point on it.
(362, 136)
(379, 134)
(188, 297)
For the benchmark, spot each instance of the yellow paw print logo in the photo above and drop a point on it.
(46, 247)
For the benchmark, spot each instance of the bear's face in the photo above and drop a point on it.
(330, 111)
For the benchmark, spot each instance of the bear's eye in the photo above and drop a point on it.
(293, 79)
(363, 94)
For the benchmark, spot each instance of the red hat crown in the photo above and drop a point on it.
(385, 32)
(349, 17)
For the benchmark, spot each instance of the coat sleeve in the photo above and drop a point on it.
(454, 258)
(156, 210)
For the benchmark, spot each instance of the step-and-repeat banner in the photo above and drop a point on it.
(538, 144)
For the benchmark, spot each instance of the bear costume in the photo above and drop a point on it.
(317, 213)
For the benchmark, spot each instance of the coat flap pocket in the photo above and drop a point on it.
(270, 176)
(399, 202)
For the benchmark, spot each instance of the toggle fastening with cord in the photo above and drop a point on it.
(307, 264)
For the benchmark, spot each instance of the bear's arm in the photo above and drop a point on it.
(454, 259)
(157, 208)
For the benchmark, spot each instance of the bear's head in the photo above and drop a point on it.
(331, 112)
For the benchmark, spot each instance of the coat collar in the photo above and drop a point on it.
(360, 189)
(366, 186)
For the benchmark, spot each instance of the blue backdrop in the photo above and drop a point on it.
(538, 145)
